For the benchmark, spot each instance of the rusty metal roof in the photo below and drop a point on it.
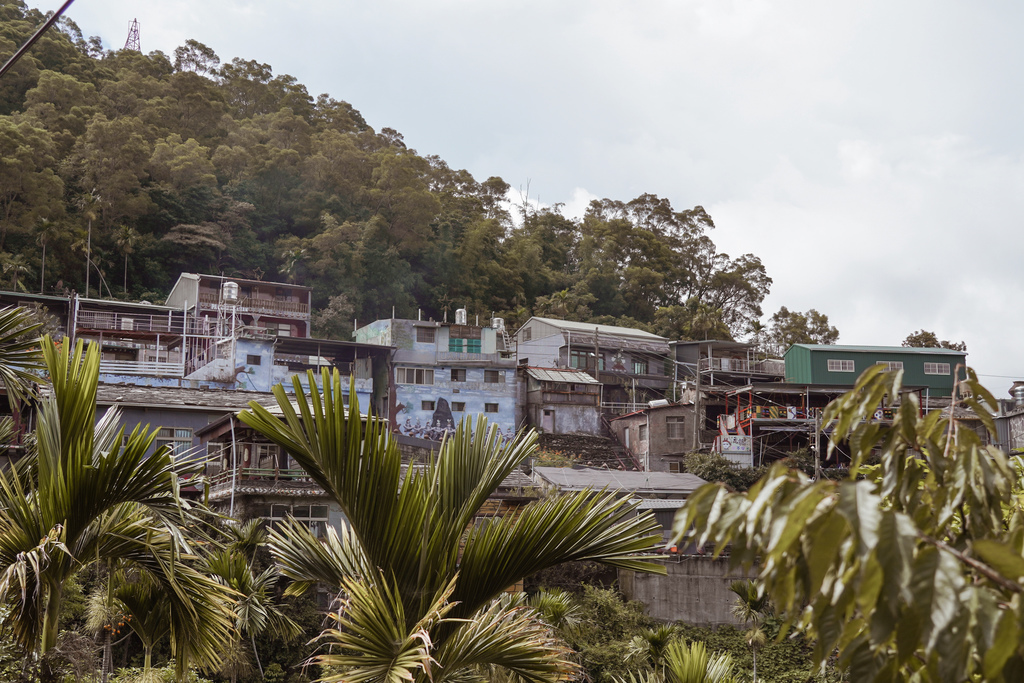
(554, 375)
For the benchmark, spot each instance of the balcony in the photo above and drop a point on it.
(256, 480)
(141, 368)
(445, 357)
(130, 323)
(255, 306)
(742, 366)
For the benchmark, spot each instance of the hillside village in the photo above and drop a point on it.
(610, 398)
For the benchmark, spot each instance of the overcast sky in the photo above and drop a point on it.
(870, 153)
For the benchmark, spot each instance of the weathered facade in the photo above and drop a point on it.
(633, 366)
(443, 372)
(561, 401)
(658, 436)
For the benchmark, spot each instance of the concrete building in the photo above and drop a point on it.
(658, 436)
(443, 372)
(561, 401)
(633, 366)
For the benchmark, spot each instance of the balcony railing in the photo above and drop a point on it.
(488, 358)
(743, 366)
(140, 368)
(249, 304)
(124, 322)
(257, 474)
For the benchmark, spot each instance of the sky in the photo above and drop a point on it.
(870, 153)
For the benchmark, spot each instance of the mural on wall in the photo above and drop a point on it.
(441, 423)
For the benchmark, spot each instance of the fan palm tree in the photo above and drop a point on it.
(418, 579)
(90, 493)
(752, 607)
(126, 238)
(255, 606)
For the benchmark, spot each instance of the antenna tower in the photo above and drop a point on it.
(133, 37)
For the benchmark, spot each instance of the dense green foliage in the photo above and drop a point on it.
(913, 572)
(161, 164)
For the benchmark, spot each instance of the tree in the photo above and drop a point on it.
(793, 327)
(923, 339)
(29, 188)
(48, 232)
(196, 57)
(19, 352)
(126, 238)
(90, 493)
(419, 579)
(751, 607)
(912, 568)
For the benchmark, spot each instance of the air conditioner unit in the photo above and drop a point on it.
(127, 324)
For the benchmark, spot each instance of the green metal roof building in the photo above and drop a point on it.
(842, 365)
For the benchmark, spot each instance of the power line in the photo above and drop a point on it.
(35, 36)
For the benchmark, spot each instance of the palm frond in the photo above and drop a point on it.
(513, 639)
(307, 560)
(376, 644)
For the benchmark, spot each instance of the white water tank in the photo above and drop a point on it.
(498, 324)
(460, 316)
(658, 403)
(229, 293)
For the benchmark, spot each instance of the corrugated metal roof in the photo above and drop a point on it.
(574, 479)
(601, 329)
(552, 375)
(659, 503)
(880, 349)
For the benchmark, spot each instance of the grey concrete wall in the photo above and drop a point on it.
(695, 591)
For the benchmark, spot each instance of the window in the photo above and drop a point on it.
(463, 346)
(314, 517)
(675, 426)
(425, 335)
(642, 433)
(426, 405)
(252, 359)
(527, 334)
(494, 377)
(891, 364)
(675, 467)
(458, 407)
(936, 368)
(458, 374)
(639, 367)
(840, 365)
(490, 407)
(178, 440)
(414, 376)
(582, 359)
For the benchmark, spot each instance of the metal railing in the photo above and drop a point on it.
(489, 358)
(259, 474)
(131, 367)
(134, 322)
(743, 366)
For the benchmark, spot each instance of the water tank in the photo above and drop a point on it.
(460, 316)
(498, 324)
(1018, 394)
(658, 403)
(229, 293)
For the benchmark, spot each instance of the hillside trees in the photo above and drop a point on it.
(174, 144)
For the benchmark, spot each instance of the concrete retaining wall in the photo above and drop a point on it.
(696, 590)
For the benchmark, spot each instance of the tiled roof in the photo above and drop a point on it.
(179, 397)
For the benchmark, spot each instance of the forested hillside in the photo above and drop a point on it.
(171, 163)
